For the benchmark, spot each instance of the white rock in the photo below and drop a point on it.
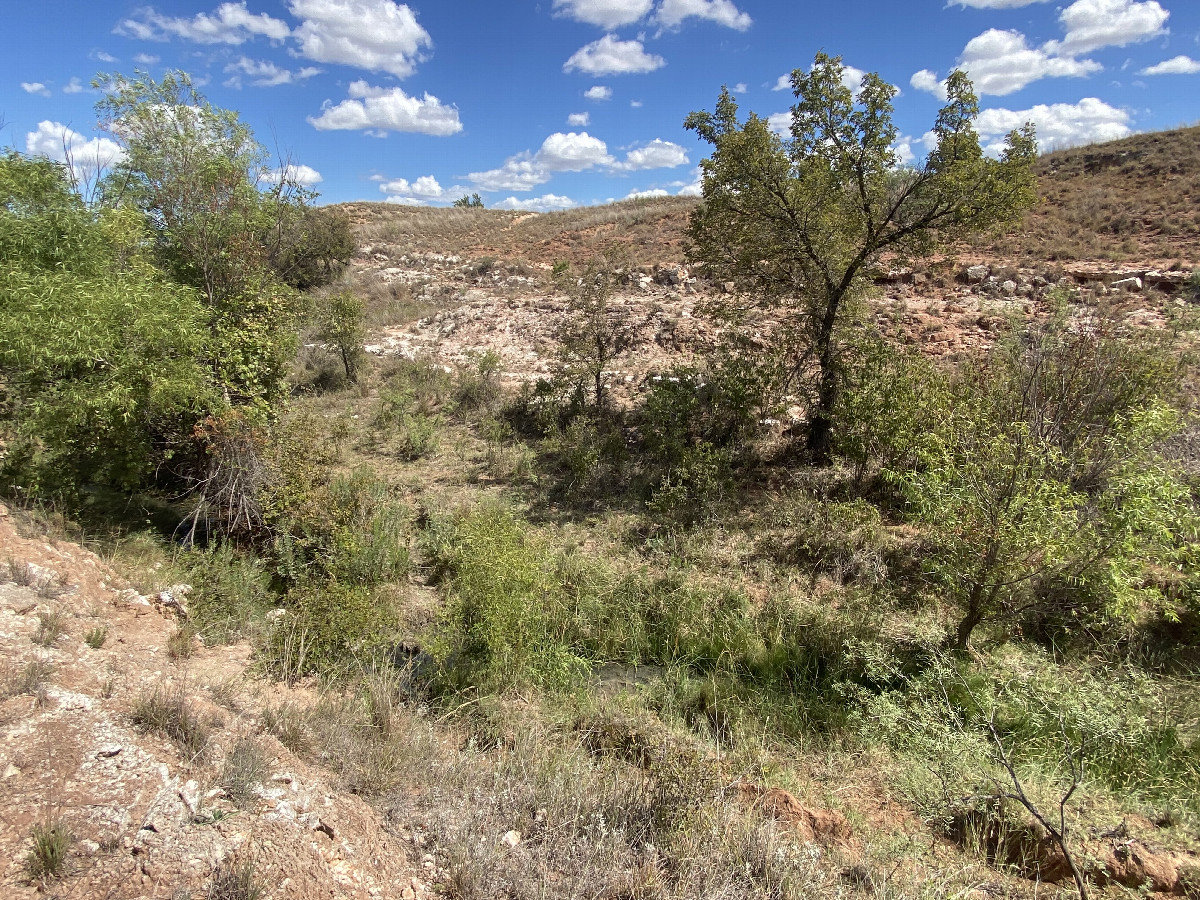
(511, 839)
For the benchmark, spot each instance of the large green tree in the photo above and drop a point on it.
(1042, 483)
(799, 223)
(99, 379)
(215, 211)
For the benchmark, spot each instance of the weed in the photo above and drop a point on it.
(96, 636)
(29, 679)
(47, 857)
(50, 628)
(288, 722)
(231, 592)
(170, 715)
(234, 879)
(21, 573)
(243, 770)
(181, 643)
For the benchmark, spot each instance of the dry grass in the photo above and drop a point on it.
(509, 805)
(1124, 200)
(244, 768)
(28, 679)
(652, 230)
(171, 715)
(1130, 199)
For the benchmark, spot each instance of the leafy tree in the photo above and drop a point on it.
(196, 171)
(99, 380)
(340, 324)
(472, 202)
(595, 332)
(1043, 483)
(309, 245)
(801, 222)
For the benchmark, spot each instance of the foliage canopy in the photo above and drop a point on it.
(799, 223)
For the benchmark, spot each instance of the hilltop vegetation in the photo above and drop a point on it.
(588, 629)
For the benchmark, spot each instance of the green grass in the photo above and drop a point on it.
(50, 852)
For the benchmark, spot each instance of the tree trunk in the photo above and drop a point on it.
(820, 426)
(976, 607)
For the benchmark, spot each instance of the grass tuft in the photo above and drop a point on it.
(47, 857)
(170, 715)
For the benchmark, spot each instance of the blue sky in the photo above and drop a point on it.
(543, 105)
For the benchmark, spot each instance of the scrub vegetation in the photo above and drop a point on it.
(943, 633)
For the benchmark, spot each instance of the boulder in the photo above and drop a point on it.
(1127, 284)
(976, 274)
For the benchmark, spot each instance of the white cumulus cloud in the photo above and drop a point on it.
(927, 80)
(545, 203)
(305, 176)
(658, 154)
(85, 157)
(647, 195)
(387, 109)
(574, 152)
(1092, 24)
(672, 13)
(1000, 62)
(579, 120)
(378, 35)
(1058, 124)
(598, 92)
(264, 73)
(35, 87)
(610, 56)
(230, 23)
(420, 191)
(605, 13)
(1176, 65)
(74, 86)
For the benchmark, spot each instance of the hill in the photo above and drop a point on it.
(1136, 200)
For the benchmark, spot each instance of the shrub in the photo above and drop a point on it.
(352, 529)
(340, 323)
(230, 591)
(170, 715)
(502, 604)
(1043, 484)
(404, 415)
(47, 857)
(477, 388)
(329, 629)
(96, 636)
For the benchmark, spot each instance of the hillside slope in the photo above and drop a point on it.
(1136, 201)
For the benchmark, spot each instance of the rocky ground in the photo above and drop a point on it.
(146, 816)
(513, 312)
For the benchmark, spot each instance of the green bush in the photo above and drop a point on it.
(498, 629)
(99, 351)
(406, 420)
(329, 629)
(352, 529)
(231, 592)
(477, 388)
(1043, 486)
